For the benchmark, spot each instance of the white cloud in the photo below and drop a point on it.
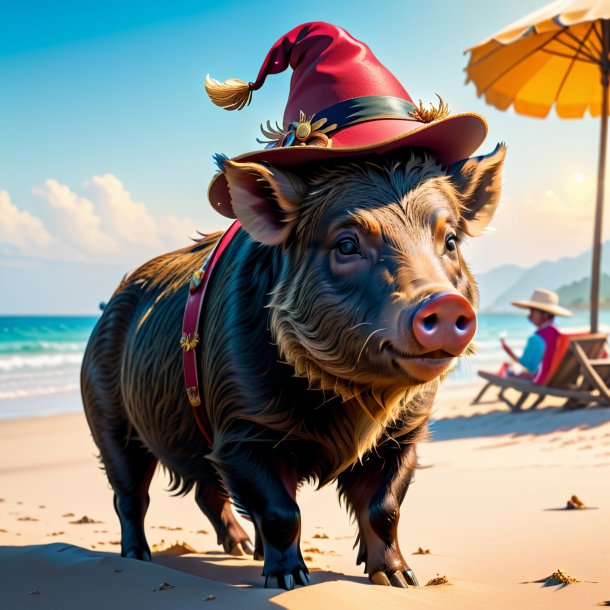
(103, 224)
(22, 231)
(74, 218)
(126, 219)
(177, 232)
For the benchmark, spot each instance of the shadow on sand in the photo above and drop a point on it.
(500, 421)
(220, 567)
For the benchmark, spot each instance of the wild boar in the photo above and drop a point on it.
(327, 326)
(327, 323)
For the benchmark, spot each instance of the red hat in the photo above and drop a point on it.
(343, 103)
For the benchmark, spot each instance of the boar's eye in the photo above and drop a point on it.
(451, 242)
(348, 246)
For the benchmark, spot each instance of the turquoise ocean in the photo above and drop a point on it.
(40, 357)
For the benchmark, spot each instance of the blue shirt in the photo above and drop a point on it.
(533, 353)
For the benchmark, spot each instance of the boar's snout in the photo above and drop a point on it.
(446, 321)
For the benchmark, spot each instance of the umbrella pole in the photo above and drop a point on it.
(599, 207)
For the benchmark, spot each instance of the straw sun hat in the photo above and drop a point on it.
(544, 300)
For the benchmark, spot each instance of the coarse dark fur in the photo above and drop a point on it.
(297, 381)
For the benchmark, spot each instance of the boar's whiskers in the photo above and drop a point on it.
(367, 340)
(471, 349)
(466, 362)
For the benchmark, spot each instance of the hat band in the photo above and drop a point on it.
(324, 124)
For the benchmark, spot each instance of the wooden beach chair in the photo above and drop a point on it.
(579, 373)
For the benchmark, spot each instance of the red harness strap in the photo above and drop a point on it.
(190, 326)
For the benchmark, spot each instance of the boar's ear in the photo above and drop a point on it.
(265, 200)
(479, 183)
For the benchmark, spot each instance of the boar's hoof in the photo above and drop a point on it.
(234, 548)
(287, 581)
(284, 567)
(402, 580)
(410, 578)
(398, 580)
(237, 548)
(380, 578)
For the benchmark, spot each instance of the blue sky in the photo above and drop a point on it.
(107, 136)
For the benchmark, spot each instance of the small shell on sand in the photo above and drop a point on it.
(164, 586)
(574, 503)
(439, 580)
(209, 598)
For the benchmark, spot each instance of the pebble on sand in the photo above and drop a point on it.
(85, 519)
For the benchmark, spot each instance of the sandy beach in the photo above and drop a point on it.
(488, 502)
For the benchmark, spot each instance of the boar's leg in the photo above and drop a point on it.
(130, 468)
(214, 502)
(267, 491)
(128, 464)
(373, 491)
(131, 503)
(259, 551)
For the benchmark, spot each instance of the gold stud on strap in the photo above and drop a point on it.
(189, 342)
(193, 396)
(196, 281)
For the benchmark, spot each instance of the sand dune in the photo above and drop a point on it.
(489, 502)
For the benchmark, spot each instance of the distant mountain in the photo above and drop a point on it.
(577, 295)
(500, 286)
(493, 283)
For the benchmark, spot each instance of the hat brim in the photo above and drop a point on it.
(556, 310)
(450, 140)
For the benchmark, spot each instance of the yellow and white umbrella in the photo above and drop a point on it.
(557, 56)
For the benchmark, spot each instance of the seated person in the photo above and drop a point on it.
(543, 306)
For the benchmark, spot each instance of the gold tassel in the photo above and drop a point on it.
(233, 94)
